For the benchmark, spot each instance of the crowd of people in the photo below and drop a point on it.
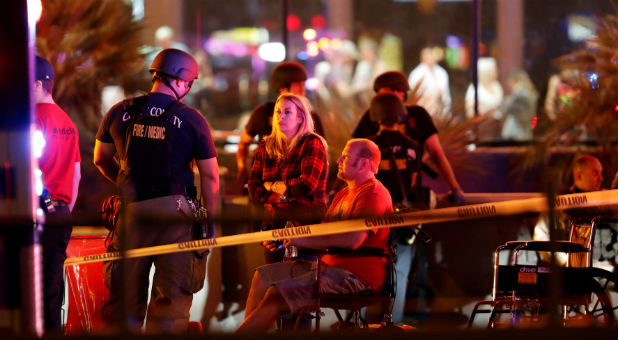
(152, 146)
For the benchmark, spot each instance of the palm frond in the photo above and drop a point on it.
(91, 44)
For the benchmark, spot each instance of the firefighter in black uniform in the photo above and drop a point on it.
(286, 77)
(156, 139)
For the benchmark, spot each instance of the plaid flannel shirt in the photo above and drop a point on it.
(303, 171)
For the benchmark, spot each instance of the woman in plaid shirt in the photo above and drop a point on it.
(289, 170)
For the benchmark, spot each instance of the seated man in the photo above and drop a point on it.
(290, 286)
(587, 176)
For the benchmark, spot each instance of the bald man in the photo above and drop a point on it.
(587, 176)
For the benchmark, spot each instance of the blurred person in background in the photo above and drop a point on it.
(562, 95)
(561, 92)
(490, 97)
(164, 39)
(519, 108)
(202, 88)
(369, 66)
(336, 71)
(490, 92)
(60, 163)
(432, 85)
(287, 77)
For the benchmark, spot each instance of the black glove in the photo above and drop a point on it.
(211, 229)
(203, 230)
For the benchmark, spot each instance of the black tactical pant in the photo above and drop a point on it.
(152, 222)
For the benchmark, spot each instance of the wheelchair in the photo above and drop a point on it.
(353, 304)
(524, 282)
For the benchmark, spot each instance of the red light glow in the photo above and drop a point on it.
(318, 21)
(534, 122)
(293, 23)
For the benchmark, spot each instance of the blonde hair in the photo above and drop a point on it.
(521, 79)
(276, 144)
(487, 70)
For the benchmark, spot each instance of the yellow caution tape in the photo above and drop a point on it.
(505, 208)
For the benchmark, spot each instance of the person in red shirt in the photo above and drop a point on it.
(289, 286)
(60, 166)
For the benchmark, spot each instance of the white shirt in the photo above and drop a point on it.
(489, 100)
(541, 233)
(433, 92)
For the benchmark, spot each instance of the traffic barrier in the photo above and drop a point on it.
(505, 208)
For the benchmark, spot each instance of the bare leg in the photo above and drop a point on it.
(256, 294)
(264, 316)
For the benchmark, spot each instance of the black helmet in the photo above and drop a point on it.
(386, 108)
(286, 73)
(43, 69)
(175, 63)
(394, 80)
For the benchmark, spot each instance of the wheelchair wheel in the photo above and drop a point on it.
(601, 304)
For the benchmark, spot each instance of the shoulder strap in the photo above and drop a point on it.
(404, 192)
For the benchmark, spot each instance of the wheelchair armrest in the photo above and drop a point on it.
(510, 245)
(559, 246)
(605, 219)
(309, 252)
(362, 251)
